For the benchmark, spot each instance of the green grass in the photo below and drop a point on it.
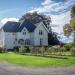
(34, 61)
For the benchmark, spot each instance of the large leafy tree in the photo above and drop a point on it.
(70, 28)
(36, 18)
(67, 29)
(73, 12)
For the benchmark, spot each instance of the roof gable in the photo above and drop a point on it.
(41, 23)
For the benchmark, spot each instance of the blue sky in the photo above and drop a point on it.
(58, 10)
(16, 8)
(11, 8)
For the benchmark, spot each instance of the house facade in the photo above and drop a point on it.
(15, 34)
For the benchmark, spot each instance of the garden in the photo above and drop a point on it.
(41, 56)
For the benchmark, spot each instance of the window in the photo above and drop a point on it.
(21, 41)
(41, 42)
(27, 42)
(24, 33)
(40, 32)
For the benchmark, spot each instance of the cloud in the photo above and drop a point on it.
(58, 11)
(47, 2)
(61, 19)
(50, 6)
(3, 21)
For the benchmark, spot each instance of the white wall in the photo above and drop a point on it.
(37, 36)
(32, 38)
(10, 40)
(2, 38)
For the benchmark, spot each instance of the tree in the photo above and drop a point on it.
(67, 29)
(70, 28)
(52, 39)
(73, 12)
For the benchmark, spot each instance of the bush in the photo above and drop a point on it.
(56, 51)
(73, 51)
(61, 50)
(42, 50)
(3, 50)
(27, 49)
(68, 46)
(16, 49)
(50, 50)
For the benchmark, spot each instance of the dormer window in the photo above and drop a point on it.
(40, 32)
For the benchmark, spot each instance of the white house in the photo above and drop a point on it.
(14, 34)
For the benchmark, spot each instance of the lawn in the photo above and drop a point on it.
(35, 61)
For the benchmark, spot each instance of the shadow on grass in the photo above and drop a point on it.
(48, 56)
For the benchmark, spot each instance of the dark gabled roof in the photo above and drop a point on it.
(11, 26)
(29, 26)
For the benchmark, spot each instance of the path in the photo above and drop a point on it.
(9, 69)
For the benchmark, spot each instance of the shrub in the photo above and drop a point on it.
(50, 50)
(27, 49)
(73, 51)
(3, 50)
(37, 50)
(16, 49)
(61, 50)
(56, 51)
(68, 46)
(0, 50)
(42, 50)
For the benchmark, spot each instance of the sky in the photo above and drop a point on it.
(58, 10)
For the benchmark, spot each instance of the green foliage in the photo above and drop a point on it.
(72, 24)
(3, 50)
(68, 46)
(73, 12)
(73, 51)
(67, 29)
(27, 49)
(16, 49)
(42, 50)
(55, 51)
(61, 51)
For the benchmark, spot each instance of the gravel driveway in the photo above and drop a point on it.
(10, 69)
